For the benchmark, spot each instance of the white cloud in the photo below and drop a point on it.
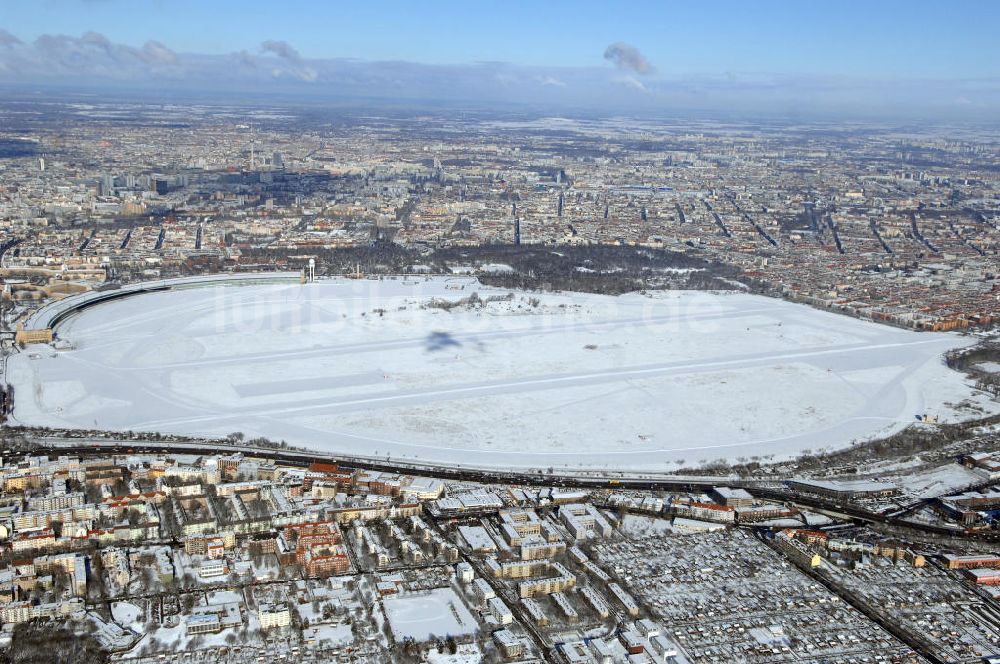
(633, 83)
(551, 81)
(92, 60)
(282, 49)
(628, 58)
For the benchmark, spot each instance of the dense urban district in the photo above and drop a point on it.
(119, 546)
(896, 224)
(184, 551)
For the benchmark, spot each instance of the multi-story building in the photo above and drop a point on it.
(583, 520)
(274, 615)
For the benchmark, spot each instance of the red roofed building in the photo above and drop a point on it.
(319, 548)
(328, 472)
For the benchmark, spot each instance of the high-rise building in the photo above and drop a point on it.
(107, 185)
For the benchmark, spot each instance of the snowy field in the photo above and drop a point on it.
(128, 615)
(371, 368)
(637, 525)
(438, 613)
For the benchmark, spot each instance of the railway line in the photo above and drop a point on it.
(767, 489)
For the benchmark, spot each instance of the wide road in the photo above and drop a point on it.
(769, 489)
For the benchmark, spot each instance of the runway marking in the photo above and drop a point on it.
(545, 382)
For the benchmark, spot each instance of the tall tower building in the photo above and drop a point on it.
(517, 224)
(253, 156)
(107, 185)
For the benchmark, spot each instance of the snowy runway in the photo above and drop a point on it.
(374, 368)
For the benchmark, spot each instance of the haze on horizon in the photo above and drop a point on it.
(846, 59)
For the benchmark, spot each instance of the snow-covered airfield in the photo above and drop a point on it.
(368, 367)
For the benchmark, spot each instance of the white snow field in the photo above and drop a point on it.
(437, 613)
(366, 367)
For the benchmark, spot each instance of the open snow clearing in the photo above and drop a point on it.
(447, 370)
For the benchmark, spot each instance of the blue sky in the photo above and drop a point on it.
(794, 58)
(878, 38)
